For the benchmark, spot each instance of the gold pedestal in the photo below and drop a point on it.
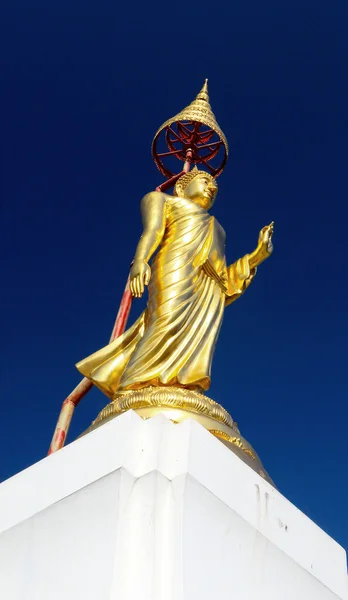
(180, 404)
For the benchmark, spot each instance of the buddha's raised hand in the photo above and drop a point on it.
(265, 238)
(140, 275)
(264, 247)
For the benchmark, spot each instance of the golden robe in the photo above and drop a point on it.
(173, 341)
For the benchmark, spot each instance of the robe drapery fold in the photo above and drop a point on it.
(173, 341)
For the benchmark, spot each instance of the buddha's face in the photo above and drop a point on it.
(202, 191)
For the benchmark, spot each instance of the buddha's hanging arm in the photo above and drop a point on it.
(153, 218)
(241, 273)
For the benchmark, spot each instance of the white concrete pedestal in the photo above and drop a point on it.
(149, 510)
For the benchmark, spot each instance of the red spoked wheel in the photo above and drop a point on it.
(205, 144)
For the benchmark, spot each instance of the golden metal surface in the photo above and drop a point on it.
(173, 341)
(233, 440)
(170, 397)
(162, 363)
(178, 405)
(199, 110)
(182, 183)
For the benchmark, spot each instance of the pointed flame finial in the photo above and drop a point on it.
(203, 94)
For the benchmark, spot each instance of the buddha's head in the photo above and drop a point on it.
(198, 186)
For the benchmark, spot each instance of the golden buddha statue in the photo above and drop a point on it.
(164, 359)
(172, 343)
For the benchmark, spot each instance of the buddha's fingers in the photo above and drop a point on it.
(135, 291)
(131, 285)
(140, 286)
(147, 277)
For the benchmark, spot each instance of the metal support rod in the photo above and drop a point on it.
(170, 182)
(85, 385)
(70, 403)
(187, 163)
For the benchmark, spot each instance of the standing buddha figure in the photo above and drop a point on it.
(172, 343)
(162, 363)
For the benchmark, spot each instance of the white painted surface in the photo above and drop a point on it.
(158, 511)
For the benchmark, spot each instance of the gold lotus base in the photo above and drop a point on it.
(180, 404)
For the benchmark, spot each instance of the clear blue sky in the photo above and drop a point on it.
(84, 86)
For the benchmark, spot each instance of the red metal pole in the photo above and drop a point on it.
(123, 313)
(75, 397)
(70, 403)
(167, 184)
(187, 163)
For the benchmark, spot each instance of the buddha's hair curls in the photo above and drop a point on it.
(184, 180)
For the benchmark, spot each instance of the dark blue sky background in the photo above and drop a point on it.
(84, 86)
